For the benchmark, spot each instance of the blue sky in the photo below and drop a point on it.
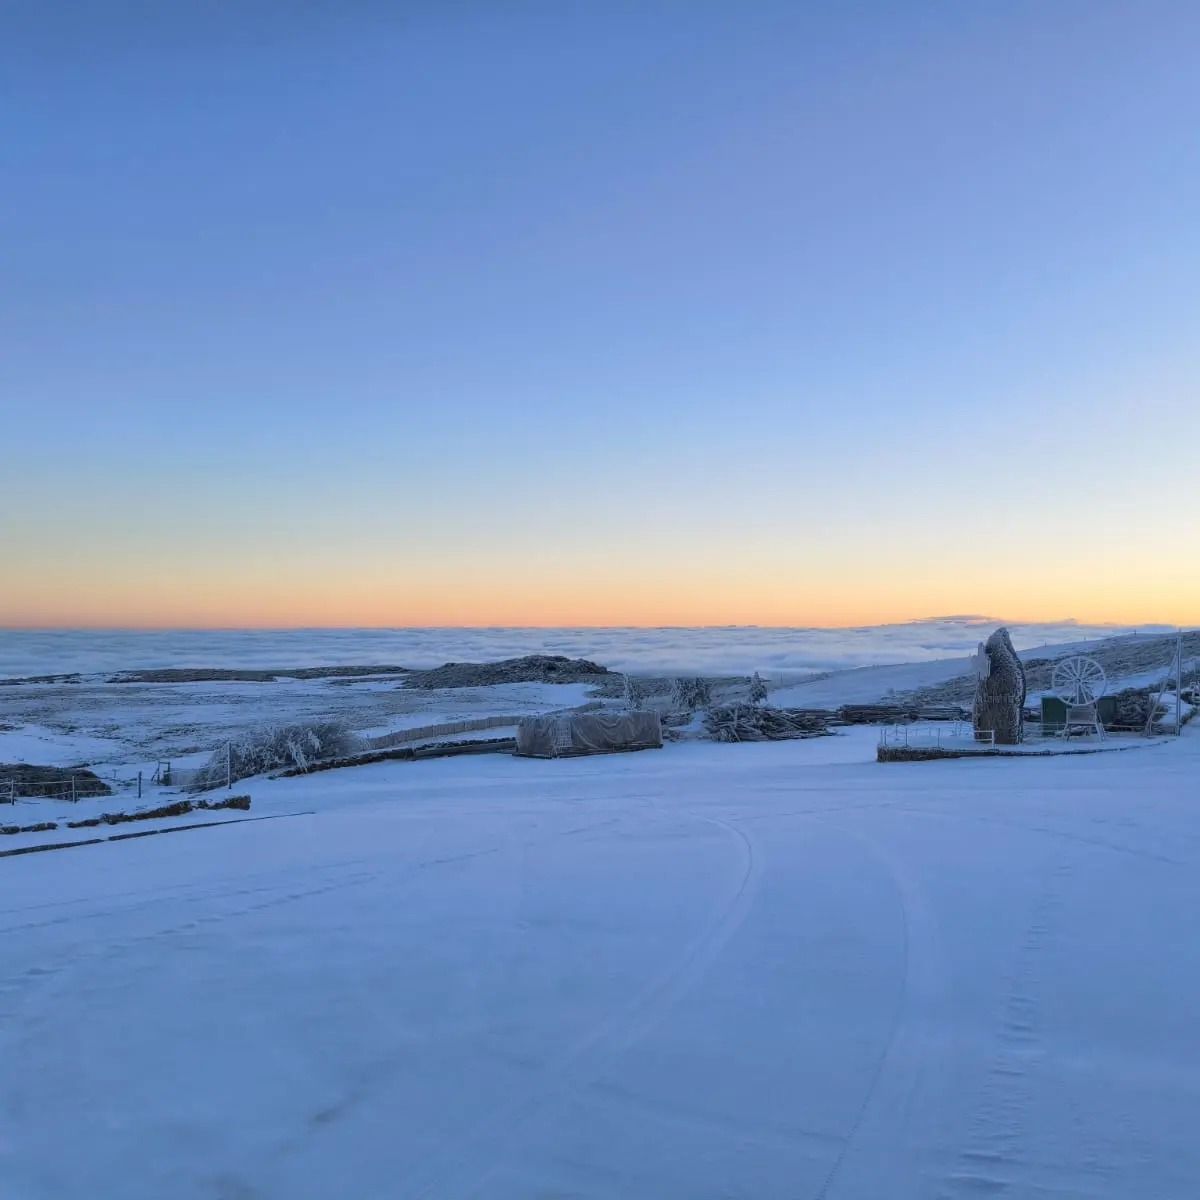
(679, 313)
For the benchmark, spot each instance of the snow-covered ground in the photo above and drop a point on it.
(120, 729)
(866, 685)
(708, 971)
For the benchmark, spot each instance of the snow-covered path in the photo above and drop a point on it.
(714, 971)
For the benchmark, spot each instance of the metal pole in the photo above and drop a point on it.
(139, 785)
(229, 764)
(1179, 684)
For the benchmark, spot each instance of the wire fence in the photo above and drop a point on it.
(445, 729)
(944, 735)
(168, 776)
(71, 786)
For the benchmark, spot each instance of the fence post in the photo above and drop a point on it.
(74, 796)
(229, 764)
(139, 785)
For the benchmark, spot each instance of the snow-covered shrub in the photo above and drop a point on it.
(690, 695)
(273, 748)
(633, 692)
(1132, 708)
(758, 689)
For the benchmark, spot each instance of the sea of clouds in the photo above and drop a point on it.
(712, 650)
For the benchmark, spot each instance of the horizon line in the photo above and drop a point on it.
(304, 628)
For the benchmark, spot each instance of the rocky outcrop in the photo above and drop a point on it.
(1000, 691)
(532, 668)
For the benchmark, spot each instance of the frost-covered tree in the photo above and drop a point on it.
(758, 689)
(690, 695)
(275, 747)
(631, 693)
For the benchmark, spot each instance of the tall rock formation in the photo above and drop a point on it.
(1000, 691)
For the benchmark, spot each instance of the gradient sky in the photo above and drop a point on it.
(605, 313)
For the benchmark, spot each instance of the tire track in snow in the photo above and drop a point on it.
(1050, 831)
(366, 1084)
(192, 895)
(148, 897)
(17, 988)
(908, 1062)
(992, 1160)
(466, 1160)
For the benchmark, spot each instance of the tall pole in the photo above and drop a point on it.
(1179, 684)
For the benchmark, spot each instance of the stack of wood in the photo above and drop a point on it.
(942, 712)
(877, 714)
(759, 723)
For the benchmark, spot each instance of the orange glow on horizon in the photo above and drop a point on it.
(753, 591)
(840, 616)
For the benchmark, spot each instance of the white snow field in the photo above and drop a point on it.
(751, 971)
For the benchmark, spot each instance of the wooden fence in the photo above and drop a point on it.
(449, 728)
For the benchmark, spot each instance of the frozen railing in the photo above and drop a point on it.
(166, 775)
(445, 729)
(67, 786)
(942, 735)
(468, 725)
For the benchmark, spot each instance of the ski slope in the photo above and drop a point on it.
(712, 971)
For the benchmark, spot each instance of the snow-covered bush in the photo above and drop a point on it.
(690, 695)
(1132, 708)
(275, 747)
(634, 692)
(758, 689)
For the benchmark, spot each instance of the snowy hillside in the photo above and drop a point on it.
(1129, 660)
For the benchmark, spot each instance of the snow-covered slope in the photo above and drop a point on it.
(706, 971)
(865, 685)
(1131, 661)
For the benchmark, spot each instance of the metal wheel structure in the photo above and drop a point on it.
(1078, 680)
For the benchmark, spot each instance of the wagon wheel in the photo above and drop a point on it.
(1078, 680)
